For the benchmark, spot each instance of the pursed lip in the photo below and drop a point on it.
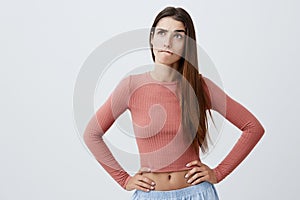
(170, 52)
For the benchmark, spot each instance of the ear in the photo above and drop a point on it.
(151, 37)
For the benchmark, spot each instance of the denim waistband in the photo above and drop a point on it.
(204, 189)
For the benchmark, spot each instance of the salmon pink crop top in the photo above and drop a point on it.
(156, 116)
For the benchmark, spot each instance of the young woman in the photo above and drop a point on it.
(169, 108)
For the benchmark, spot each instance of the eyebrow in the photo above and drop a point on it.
(161, 29)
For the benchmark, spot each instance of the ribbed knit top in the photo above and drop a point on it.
(156, 117)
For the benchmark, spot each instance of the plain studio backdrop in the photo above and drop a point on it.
(253, 44)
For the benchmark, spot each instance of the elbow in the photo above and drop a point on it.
(93, 132)
(260, 130)
(86, 137)
(256, 128)
(91, 138)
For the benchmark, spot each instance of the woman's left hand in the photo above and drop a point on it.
(199, 173)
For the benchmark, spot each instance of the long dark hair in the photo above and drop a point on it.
(194, 116)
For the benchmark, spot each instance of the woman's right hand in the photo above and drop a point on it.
(140, 182)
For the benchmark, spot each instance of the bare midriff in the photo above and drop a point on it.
(168, 180)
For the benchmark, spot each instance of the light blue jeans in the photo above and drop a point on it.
(201, 191)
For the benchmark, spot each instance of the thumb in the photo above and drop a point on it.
(144, 169)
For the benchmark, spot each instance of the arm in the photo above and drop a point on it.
(252, 130)
(99, 123)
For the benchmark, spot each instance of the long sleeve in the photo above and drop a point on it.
(100, 122)
(238, 115)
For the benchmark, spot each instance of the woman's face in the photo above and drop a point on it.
(168, 41)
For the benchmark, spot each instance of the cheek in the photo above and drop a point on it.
(178, 48)
(157, 43)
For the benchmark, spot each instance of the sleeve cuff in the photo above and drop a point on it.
(217, 174)
(126, 181)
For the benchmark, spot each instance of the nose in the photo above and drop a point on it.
(167, 41)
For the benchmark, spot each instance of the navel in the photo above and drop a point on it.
(169, 176)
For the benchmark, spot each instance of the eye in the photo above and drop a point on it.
(178, 36)
(160, 32)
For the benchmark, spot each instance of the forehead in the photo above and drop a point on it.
(171, 24)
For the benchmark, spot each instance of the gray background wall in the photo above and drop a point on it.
(253, 44)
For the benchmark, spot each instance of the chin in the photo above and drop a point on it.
(168, 61)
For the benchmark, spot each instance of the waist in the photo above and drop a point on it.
(168, 180)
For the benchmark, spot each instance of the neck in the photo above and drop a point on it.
(164, 73)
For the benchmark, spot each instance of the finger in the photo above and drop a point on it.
(144, 169)
(198, 169)
(197, 176)
(194, 162)
(203, 168)
(192, 171)
(142, 188)
(146, 180)
(145, 185)
(199, 180)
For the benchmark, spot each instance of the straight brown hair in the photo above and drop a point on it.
(194, 116)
